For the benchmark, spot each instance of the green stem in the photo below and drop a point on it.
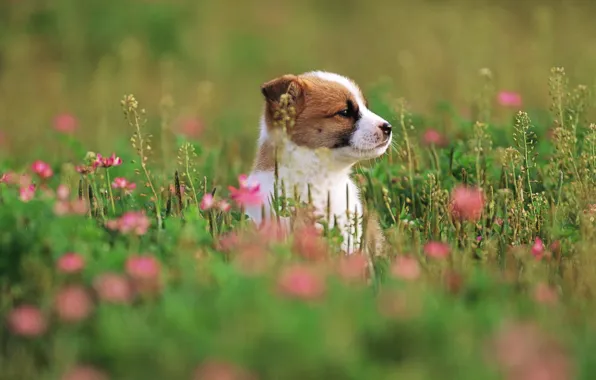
(109, 183)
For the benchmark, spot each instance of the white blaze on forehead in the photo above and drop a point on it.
(346, 82)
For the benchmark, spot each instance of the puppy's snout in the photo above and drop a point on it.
(385, 128)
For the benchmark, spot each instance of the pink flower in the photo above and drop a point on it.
(84, 372)
(353, 268)
(272, 232)
(27, 320)
(190, 127)
(84, 169)
(224, 206)
(301, 282)
(123, 184)
(113, 288)
(523, 351)
(432, 137)
(42, 169)
(406, 268)
(27, 193)
(107, 162)
(509, 99)
(207, 202)
(555, 246)
(74, 207)
(247, 194)
(308, 243)
(538, 248)
(65, 123)
(7, 178)
(545, 294)
(62, 192)
(453, 281)
(437, 250)
(71, 263)
(219, 370)
(173, 190)
(144, 272)
(73, 304)
(132, 221)
(467, 203)
(142, 267)
(251, 259)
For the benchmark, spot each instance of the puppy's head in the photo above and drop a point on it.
(331, 112)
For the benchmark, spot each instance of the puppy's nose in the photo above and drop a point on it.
(386, 128)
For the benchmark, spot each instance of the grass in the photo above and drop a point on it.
(512, 297)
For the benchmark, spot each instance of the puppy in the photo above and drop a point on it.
(330, 129)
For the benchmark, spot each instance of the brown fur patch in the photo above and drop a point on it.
(317, 102)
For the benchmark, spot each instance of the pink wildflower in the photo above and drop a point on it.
(224, 206)
(42, 169)
(84, 169)
(173, 190)
(7, 178)
(406, 268)
(247, 194)
(251, 259)
(219, 370)
(75, 207)
(308, 243)
(84, 372)
(432, 137)
(510, 99)
(132, 221)
(27, 320)
(538, 248)
(107, 162)
(142, 267)
(113, 288)
(71, 263)
(301, 282)
(123, 184)
(467, 203)
(27, 193)
(73, 304)
(437, 250)
(272, 232)
(207, 202)
(144, 272)
(523, 351)
(353, 268)
(65, 123)
(545, 294)
(190, 127)
(62, 192)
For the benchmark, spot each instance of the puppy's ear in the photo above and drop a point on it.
(286, 84)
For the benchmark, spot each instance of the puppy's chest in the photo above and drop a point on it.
(332, 194)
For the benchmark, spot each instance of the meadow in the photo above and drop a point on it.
(126, 128)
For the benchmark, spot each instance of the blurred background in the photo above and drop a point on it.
(196, 66)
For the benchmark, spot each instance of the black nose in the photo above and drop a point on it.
(386, 128)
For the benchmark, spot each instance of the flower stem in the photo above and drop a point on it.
(110, 191)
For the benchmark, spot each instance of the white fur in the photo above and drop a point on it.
(327, 171)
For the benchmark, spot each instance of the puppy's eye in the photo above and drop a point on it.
(344, 113)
